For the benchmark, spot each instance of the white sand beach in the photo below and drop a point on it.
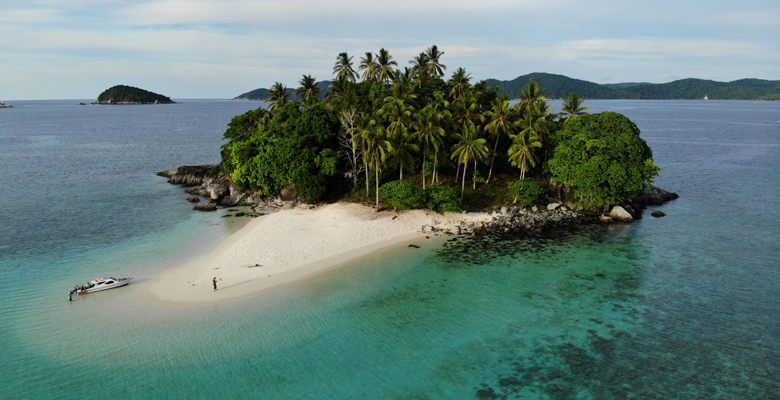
(290, 245)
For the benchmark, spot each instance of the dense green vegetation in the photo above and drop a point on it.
(602, 159)
(129, 94)
(411, 139)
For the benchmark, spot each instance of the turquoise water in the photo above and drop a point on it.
(686, 306)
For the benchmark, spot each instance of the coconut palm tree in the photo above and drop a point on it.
(459, 83)
(521, 152)
(402, 149)
(429, 134)
(466, 109)
(308, 90)
(369, 66)
(363, 123)
(397, 111)
(572, 106)
(434, 54)
(470, 147)
(537, 119)
(343, 67)
(440, 108)
(385, 72)
(421, 67)
(278, 96)
(529, 95)
(338, 88)
(500, 117)
(377, 150)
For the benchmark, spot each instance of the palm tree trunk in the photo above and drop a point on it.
(457, 173)
(423, 164)
(463, 185)
(377, 186)
(495, 148)
(435, 177)
(354, 167)
(402, 171)
(474, 175)
(366, 165)
(522, 171)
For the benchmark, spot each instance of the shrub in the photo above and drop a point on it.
(526, 190)
(402, 194)
(443, 198)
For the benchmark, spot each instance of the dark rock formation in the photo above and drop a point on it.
(193, 199)
(207, 206)
(658, 213)
(654, 196)
(207, 181)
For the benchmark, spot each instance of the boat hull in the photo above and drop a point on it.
(105, 287)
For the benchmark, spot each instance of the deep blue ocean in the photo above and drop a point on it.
(686, 306)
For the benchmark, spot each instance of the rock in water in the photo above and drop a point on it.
(620, 214)
(658, 213)
(193, 199)
(207, 206)
(654, 196)
(605, 219)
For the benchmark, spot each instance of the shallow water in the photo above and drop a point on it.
(685, 306)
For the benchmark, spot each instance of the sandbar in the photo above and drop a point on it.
(290, 245)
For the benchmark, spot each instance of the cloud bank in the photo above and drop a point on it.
(219, 49)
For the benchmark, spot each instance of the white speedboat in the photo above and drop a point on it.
(99, 284)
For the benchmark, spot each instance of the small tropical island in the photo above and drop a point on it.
(3, 105)
(391, 155)
(122, 94)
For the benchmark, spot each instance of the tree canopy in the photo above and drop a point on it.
(426, 131)
(601, 158)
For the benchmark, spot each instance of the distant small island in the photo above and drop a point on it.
(3, 105)
(122, 94)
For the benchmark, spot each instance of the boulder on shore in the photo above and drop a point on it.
(654, 196)
(207, 206)
(605, 219)
(620, 214)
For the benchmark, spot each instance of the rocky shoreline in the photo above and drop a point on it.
(206, 181)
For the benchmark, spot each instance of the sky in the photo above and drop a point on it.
(75, 49)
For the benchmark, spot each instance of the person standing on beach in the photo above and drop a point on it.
(215, 283)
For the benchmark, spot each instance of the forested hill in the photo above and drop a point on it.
(743, 89)
(559, 86)
(262, 93)
(122, 94)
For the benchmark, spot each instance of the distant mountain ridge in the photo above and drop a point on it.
(262, 93)
(559, 86)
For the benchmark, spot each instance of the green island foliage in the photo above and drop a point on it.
(129, 94)
(409, 138)
(601, 158)
(526, 190)
(402, 194)
(443, 198)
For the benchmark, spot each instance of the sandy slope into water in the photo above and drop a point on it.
(289, 245)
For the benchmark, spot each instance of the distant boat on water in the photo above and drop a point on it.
(706, 98)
